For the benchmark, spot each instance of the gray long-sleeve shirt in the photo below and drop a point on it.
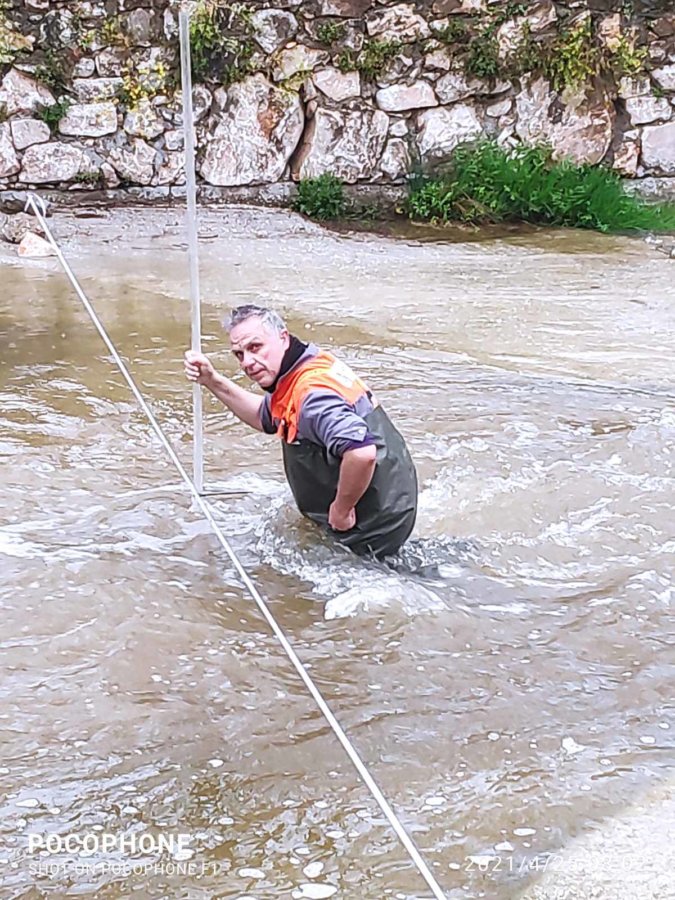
(326, 418)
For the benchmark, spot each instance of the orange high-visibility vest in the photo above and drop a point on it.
(321, 372)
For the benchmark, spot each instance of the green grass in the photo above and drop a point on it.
(321, 198)
(483, 183)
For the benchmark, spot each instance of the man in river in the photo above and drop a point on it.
(347, 466)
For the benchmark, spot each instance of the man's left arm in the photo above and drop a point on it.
(332, 422)
(356, 473)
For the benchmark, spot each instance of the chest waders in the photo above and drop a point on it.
(385, 515)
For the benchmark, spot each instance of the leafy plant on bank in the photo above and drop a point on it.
(330, 33)
(484, 183)
(321, 198)
(53, 113)
(371, 60)
(217, 52)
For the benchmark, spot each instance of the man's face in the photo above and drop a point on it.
(259, 350)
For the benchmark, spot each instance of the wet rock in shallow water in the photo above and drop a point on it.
(34, 247)
(9, 161)
(17, 227)
(54, 162)
(347, 144)
(254, 136)
(15, 202)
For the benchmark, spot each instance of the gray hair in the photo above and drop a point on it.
(270, 319)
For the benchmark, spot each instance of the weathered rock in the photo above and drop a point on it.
(338, 85)
(21, 94)
(135, 165)
(664, 26)
(54, 162)
(15, 202)
(347, 144)
(438, 59)
(9, 162)
(144, 121)
(627, 155)
(109, 176)
(395, 162)
(610, 32)
(34, 247)
(398, 23)
(172, 169)
(109, 62)
(399, 69)
(273, 28)
(439, 131)
(84, 68)
(443, 7)
(645, 110)
(201, 102)
(658, 148)
(398, 128)
(582, 133)
(26, 132)
(458, 86)
(17, 227)
(500, 108)
(255, 134)
(174, 139)
(350, 9)
(298, 58)
(665, 77)
(510, 34)
(139, 27)
(401, 97)
(541, 15)
(89, 120)
(634, 86)
(95, 90)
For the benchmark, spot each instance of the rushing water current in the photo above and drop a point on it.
(507, 682)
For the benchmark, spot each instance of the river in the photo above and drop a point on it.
(508, 685)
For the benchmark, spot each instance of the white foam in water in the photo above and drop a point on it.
(348, 584)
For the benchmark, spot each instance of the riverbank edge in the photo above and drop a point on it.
(383, 199)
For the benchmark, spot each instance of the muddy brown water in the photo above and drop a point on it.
(509, 685)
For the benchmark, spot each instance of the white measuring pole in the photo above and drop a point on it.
(193, 245)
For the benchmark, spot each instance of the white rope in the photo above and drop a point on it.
(39, 209)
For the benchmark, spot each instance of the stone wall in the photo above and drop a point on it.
(90, 100)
